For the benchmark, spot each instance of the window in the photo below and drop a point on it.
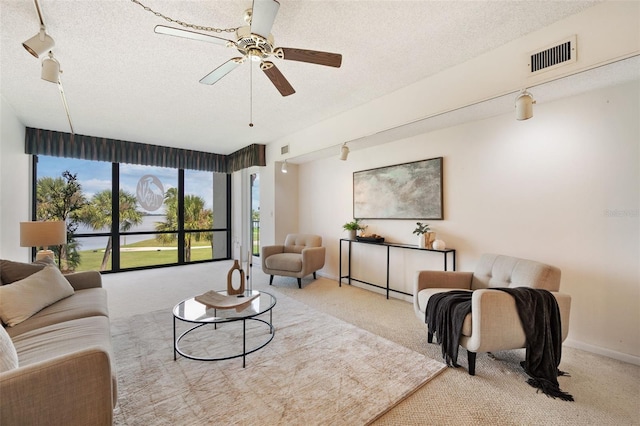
(162, 216)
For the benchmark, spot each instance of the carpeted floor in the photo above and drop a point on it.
(318, 370)
(607, 391)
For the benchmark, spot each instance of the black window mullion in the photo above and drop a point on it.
(115, 216)
(181, 235)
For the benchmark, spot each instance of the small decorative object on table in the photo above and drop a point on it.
(215, 300)
(439, 245)
(425, 237)
(230, 289)
(353, 227)
(374, 238)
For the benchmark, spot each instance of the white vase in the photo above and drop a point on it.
(352, 234)
(421, 243)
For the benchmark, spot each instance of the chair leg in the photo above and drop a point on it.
(314, 276)
(270, 279)
(299, 283)
(471, 358)
(429, 337)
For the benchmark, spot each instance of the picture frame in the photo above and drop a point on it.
(402, 191)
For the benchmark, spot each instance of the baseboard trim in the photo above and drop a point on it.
(631, 359)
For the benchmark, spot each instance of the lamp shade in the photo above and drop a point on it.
(42, 234)
(39, 43)
(50, 69)
(284, 169)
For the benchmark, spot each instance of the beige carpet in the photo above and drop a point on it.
(318, 370)
(607, 391)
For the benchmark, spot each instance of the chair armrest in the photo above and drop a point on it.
(312, 259)
(267, 251)
(442, 279)
(70, 389)
(495, 322)
(84, 280)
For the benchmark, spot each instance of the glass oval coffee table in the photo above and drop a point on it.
(192, 311)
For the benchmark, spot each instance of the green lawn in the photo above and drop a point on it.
(91, 260)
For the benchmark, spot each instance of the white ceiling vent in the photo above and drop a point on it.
(554, 56)
(284, 149)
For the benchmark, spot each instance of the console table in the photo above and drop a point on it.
(445, 253)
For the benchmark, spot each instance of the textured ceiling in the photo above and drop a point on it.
(123, 81)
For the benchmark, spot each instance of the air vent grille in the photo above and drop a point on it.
(559, 54)
(284, 149)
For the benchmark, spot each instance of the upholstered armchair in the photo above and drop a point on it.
(299, 256)
(493, 324)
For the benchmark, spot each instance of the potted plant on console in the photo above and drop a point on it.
(352, 227)
(425, 236)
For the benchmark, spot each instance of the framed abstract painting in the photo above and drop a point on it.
(403, 191)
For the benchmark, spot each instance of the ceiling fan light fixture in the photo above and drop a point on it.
(39, 43)
(524, 105)
(344, 152)
(50, 69)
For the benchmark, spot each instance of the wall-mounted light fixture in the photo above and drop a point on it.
(283, 169)
(344, 152)
(524, 105)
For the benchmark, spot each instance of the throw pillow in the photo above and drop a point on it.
(22, 299)
(8, 354)
(15, 271)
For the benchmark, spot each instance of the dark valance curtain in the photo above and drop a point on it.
(61, 144)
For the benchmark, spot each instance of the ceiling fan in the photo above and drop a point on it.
(255, 42)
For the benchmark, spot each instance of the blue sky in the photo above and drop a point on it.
(95, 176)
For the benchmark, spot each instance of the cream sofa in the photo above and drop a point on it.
(65, 373)
(494, 323)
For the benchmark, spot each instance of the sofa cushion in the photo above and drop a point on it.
(291, 262)
(15, 271)
(82, 304)
(65, 338)
(8, 354)
(21, 299)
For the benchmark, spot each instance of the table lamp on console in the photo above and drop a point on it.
(43, 234)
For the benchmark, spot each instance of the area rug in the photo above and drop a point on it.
(317, 370)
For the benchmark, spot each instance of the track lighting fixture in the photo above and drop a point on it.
(283, 169)
(50, 69)
(344, 152)
(524, 105)
(39, 43)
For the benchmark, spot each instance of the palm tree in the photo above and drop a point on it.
(97, 215)
(62, 199)
(195, 217)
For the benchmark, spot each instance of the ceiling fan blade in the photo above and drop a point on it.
(161, 29)
(310, 56)
(277, 78)
(263, 15)
(222, 70)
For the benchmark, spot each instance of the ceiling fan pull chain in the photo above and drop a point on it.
(250, 95)
(185, 24)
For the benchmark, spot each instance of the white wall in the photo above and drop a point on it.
(15, 184)
(561, 188)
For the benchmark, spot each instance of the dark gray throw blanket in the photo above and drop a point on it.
(540, 317)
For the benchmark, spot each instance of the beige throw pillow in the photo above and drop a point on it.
(8, 354)
(23, 298)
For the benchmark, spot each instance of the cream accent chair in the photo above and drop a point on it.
(299, 256)
(493, 324)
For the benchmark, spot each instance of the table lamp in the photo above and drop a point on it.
(43, 234)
